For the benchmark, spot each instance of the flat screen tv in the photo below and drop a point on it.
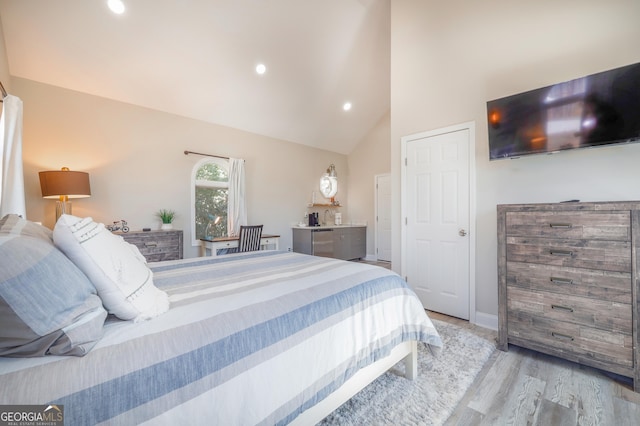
(596, 110)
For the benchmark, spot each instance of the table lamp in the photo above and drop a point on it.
(63, 185)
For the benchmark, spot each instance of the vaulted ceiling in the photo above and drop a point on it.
(198, 58)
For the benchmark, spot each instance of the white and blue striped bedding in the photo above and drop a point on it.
(249, 339)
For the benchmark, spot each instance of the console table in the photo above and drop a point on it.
(210, 247)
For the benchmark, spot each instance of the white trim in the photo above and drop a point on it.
(211, 184)
(375, 204)
(471, 127)
(489, 321)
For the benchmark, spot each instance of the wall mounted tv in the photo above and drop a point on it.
(597, 110)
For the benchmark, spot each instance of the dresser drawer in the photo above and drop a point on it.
(593, 254)
(156, 246)
(572, 341)
(601, 314)
(600, 225)
(596, 284)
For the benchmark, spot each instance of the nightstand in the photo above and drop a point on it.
(156, 245)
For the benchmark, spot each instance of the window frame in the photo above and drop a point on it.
(220, 162)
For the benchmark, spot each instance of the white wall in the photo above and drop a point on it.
(368, 159)
(449, 58)
(136, 163)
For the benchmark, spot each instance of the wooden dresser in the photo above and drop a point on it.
(568, 282)
(156, 245)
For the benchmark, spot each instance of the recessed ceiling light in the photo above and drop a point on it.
(346, 106)
(116, 6)
(261, 69)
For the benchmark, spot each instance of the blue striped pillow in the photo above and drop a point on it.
(47, 305)
(12, 224)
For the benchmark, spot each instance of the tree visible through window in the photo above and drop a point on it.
(211, 195)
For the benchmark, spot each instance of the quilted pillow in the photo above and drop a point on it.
(47, 305)
(116, 268)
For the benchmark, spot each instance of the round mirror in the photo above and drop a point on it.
(328, 186)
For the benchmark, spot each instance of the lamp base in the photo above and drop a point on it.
(62, 207)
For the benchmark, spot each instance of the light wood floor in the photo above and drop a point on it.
(523, 387)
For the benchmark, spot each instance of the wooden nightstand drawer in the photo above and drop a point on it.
(596, 284)
(571, 225)
(156, 246)
(593, 254)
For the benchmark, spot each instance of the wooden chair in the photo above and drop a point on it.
(249, 239)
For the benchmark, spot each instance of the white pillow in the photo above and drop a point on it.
(116, 268)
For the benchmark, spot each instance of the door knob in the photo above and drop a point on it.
(462, 232)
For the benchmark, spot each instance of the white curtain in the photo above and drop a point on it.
(236, 205)
(12, 198)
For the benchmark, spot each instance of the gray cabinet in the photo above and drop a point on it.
(302, 242)
(350, 243)
(567, 275)
(341, 242)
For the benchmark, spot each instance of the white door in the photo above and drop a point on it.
(437, 249)
(383, 217)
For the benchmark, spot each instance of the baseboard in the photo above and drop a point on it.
(487, 320)
(371, 258)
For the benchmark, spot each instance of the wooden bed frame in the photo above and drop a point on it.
(407, 351)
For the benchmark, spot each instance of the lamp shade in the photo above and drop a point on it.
(64, 183)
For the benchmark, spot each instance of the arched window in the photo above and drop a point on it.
(209, 194)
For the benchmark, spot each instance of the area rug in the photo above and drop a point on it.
(443, 379)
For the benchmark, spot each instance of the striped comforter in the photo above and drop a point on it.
(250, 339)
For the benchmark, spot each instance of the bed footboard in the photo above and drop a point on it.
(406, 351)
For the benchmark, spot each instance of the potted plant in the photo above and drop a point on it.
(166, 216)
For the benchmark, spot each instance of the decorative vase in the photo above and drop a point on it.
(166, 226)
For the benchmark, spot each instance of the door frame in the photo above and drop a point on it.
(375, 201)
(404, 140)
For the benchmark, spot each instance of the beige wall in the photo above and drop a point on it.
(136, 163)
(368, 159)
(449, 58)
(4, 64)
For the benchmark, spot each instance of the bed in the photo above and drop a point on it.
(266, 337)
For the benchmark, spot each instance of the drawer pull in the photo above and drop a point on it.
(560, 225)
(554, 252)
(557, 280)
(150, 244)
(561, 336)
(562, 308)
